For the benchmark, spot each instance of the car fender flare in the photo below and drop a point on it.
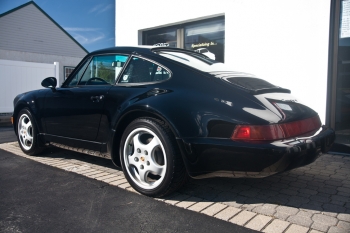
(125, 119)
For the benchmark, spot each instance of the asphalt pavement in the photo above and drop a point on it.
(40, 198)
(7, 134)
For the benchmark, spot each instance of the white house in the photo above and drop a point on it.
(29, 34)
(32, 47)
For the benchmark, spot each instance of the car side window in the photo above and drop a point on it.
(143, 71)
(74, 81)
(103, 70)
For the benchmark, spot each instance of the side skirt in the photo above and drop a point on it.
(82, 150)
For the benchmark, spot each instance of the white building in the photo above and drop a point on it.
(302, 45)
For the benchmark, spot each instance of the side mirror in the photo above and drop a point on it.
(50, 82)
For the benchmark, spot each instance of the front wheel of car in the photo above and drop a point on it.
(150, 158)
(27, 133)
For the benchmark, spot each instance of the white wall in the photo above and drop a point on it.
(17, 77)
(282, 41)
(42, 58)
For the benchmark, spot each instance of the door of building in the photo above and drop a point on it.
(338, 115)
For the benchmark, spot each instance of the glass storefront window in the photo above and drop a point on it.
(207, 38)
(342, 105)
(161, 37)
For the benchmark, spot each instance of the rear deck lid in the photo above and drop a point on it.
(249, 82)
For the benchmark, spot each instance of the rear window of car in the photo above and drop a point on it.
(195, 60)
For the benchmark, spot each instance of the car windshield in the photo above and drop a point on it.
(196, 61)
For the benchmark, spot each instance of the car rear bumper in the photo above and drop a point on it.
(212, 157)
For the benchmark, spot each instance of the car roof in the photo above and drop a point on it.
(138, 49)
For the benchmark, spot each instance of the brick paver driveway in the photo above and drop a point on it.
(313, 199)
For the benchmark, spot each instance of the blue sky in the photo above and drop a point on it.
(90, 22)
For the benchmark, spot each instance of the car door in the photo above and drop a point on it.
(74, 110)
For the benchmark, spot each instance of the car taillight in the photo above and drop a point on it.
(276, 131)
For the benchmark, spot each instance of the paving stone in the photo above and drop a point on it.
(114, 178)
(281, 199)
(308, 191)
(124, 186)
(337, 230)
(343, 189)
(173, 199)
(300, 220)
(250, 207)
(289, 191)
(297, 229)
(319, 226)
(327, 190)
(324, 219)
(333, 208)
(333, 182)
(258, 222)
(212, 210)
(321, 198)
(242, 217)
(340, 198)
(295, 200)
(98, 174)
(91, 172)
(118, 182)
(287, 210)
(267, 209)
(276, 226)
(344, 225)
(61, 164)
(314, 231)
(280, 186)
(102, 174)
(225, 196)
(344, 217)
(107, 177)
(132, 190)
(329, 214)
(343, 194)
(204, 192)
(188, 202)
(200, 206)
(281, 215)
(306, 214)
(238, 201)
(227, 213)
(248, 193)
(339, 203)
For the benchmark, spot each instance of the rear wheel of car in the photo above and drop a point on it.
(27, 133)
(151, 159)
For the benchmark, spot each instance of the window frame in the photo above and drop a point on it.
(88, 60)
(64, 69)
(118, 83)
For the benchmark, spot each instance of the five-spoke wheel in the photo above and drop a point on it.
(150, 158)
(26, 133)
(145, 157)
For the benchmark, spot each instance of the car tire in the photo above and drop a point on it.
(27, 134)
(150, 157)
